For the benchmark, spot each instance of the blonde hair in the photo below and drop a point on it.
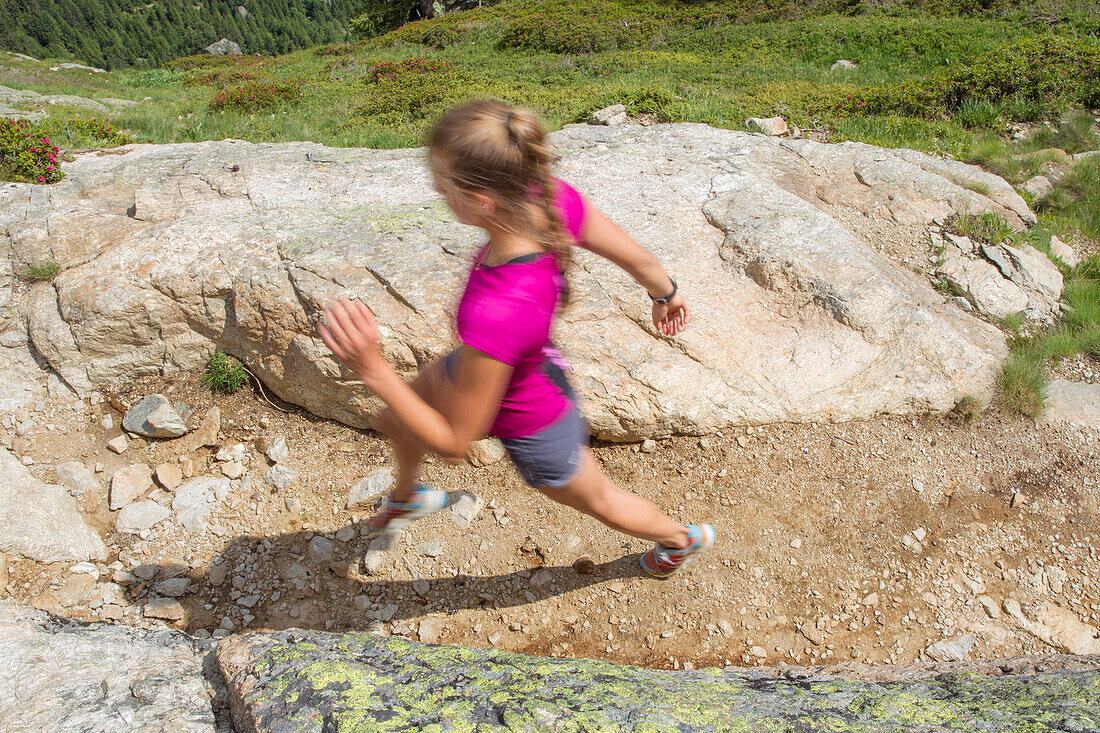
(502, 150)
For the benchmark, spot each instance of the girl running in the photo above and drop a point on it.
(492, 164)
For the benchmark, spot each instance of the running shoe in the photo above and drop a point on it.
(661, 561)
(394, 515)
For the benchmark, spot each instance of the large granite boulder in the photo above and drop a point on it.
(66, 677)
(168, 251)
(299, 681)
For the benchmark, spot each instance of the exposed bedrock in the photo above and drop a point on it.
(168, 251)
(304, 681)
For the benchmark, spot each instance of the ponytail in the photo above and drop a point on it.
(490, 146)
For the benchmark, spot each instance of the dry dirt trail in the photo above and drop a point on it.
(862, 541)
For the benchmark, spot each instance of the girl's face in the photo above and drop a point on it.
(469, 207)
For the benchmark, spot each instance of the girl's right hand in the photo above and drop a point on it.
(670, 318)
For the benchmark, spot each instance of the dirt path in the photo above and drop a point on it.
(861, 541)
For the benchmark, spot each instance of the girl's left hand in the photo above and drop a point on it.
(349, 329)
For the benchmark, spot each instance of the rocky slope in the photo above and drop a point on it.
(169, 251)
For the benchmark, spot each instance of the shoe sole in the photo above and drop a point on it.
(708, 542)
(442, 498)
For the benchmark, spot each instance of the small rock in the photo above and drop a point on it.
(584, 565)
(431, 549)
(796, 543)
(277, 452)
(217, 574)
(76, 478)
(991, 608)
(129, 484)
(1018, 499)
(87, 568)
(140, 516)
(321, 549)
(463, 508)
(76, 590)
(421, 587)
(918, 486)
(293, 505)
(485, 452)
(108, 422)
(377, 482)
(952, 650)
(168, 475)
(345, 533)
(1039, 187)
(768, 125)
(206, 434)
(610, 116)
(919, 534)
(232, 470)
(172, 587)
(871, 599)
(758, 651)
(231, 453)
(249, 601)
(119, 444)
(1064, 252)
(362, 602)
(430, 630)
(164, 608)
(649, 445)
(155, 417)
(280, 477)
(844, 65)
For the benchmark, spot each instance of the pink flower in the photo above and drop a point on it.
(41, 179)
(49, 168)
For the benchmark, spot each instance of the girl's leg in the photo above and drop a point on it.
(595, 494)
(434, 386)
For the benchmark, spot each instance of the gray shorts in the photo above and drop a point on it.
(551, 457)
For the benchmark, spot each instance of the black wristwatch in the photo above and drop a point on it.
(667, 298)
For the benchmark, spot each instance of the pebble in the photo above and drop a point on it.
(321, 549)
(584, 565)
(277, 452)
(796, 543)
(346, 533)
(431, 549)
(991, 608)
(217, 574)
(430, 630)
(119, 444)
(464, 508)
(919, 534)
(147, 571)
(232, 470)
(107, 422)
(164, 608)
(280, 477)
(293, 505)
(649, 445)
(140, 516)
(952, 650)
(377, 482)
(1018, 499)
(363, 602)
(172, 587)
(74, 476)
(231, 453)
(129, 484)
(169, 475)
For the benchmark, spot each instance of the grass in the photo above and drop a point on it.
(968, 409)
(41, 271)
(224, 374)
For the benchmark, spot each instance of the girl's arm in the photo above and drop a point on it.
(350, 331)
(603, 237)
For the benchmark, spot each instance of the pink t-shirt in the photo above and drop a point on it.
(507, 311)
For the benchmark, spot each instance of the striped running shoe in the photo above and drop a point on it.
(661, 562)
(394, 515)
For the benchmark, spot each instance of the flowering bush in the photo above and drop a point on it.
(256, 94)
(26, 155)
(1044, 75)
(87, 132)
(390, 70)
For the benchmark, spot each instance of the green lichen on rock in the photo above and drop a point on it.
(311, 681)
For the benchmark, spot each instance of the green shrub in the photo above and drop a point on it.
(1021, 384)
(87, 132)
(27, 155)
(219, 77)
(968, 409)
(209, 60)
(1029, 77)
(415, 66)
(984, 227)
(415, 88)
(224, 374)
(36, 272)
(256, 95)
